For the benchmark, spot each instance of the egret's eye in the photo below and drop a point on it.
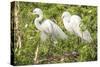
(63, 16)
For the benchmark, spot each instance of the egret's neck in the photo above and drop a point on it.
(37, 21)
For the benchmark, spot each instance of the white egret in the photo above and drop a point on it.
(47, 27)
(72, 24)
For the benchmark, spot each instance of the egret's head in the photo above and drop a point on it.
(66, 15)
(37, 11)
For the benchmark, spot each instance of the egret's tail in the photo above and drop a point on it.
(86, 36)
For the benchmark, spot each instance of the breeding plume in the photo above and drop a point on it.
(72, 24)
(47, 27)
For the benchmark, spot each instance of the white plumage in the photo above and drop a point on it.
(47, 27)
(72, 24)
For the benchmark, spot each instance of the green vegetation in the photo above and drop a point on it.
(48, 52)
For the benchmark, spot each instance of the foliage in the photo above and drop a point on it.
(30, 36)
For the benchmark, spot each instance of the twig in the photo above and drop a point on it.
(36, 54)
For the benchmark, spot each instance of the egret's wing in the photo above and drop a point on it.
(75, 20)
(57, 31)
(46, 26)
(79, 28)
(76, 25)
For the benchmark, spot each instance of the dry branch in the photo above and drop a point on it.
(36, 55)
(16, 21)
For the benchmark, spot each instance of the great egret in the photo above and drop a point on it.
(72, 24)
(47, 27)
